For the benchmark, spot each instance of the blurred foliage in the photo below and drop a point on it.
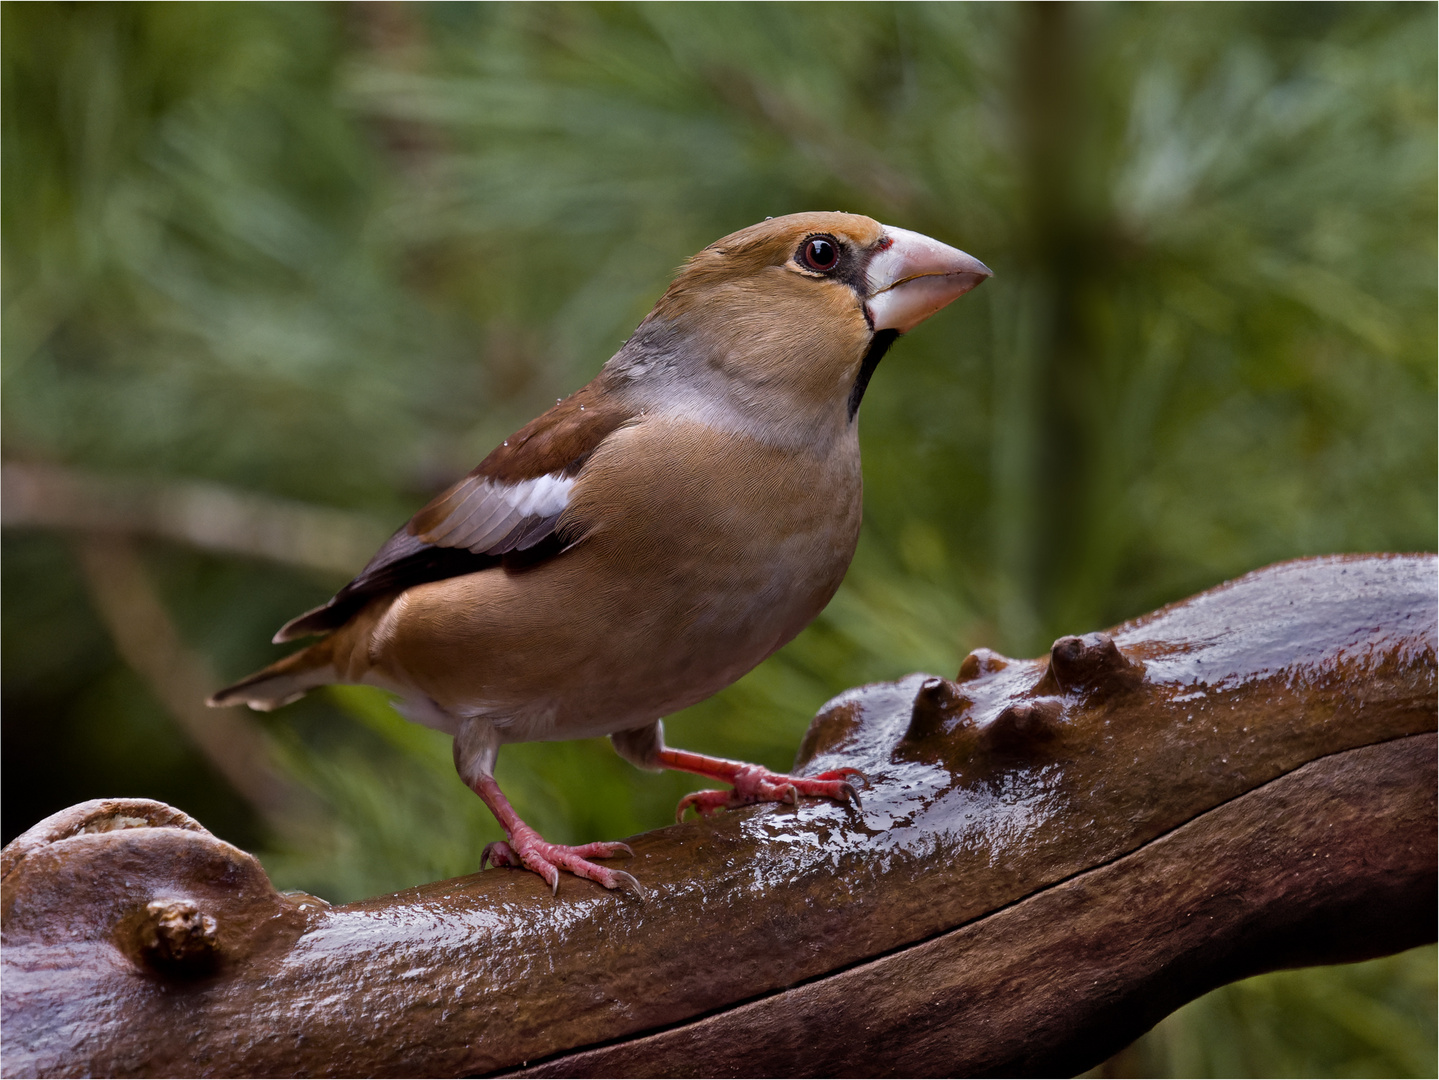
(336, 253)
(1370, 1019)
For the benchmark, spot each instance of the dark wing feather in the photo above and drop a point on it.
(506, 510)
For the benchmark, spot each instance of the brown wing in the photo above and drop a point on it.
(508, 507)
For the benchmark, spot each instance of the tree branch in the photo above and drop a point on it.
(1054, 853)
(206, 516)
(146, 638)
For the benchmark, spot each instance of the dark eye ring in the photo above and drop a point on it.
(819, 253)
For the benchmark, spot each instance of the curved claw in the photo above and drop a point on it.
(500, 853)
(630, 884)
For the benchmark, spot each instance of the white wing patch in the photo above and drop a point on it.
(493, 518)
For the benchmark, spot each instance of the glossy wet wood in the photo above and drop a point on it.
(1333, 862)
(990, 794)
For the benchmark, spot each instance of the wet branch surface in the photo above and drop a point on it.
(1053, 855)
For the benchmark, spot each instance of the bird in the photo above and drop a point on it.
(649, 539)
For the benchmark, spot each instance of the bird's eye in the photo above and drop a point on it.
(819, 253)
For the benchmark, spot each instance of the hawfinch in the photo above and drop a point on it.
(652, 537)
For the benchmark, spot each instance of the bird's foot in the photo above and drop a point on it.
(754, 784)
(527, 849)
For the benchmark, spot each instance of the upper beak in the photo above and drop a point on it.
(914, 276)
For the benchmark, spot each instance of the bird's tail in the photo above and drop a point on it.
(283, 681)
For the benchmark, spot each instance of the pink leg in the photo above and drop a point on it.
(528, 849)
(753, 783)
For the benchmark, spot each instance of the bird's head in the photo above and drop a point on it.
(792, 314)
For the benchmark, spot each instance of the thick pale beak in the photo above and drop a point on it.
(914, 277)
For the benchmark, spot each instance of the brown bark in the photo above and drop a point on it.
(1053, 854)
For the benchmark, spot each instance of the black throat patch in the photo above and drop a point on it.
(878, 346)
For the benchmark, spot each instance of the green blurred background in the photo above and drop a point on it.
(276, 273)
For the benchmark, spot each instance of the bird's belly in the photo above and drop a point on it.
(642, 618)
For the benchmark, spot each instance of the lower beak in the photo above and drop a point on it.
(914, 276)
